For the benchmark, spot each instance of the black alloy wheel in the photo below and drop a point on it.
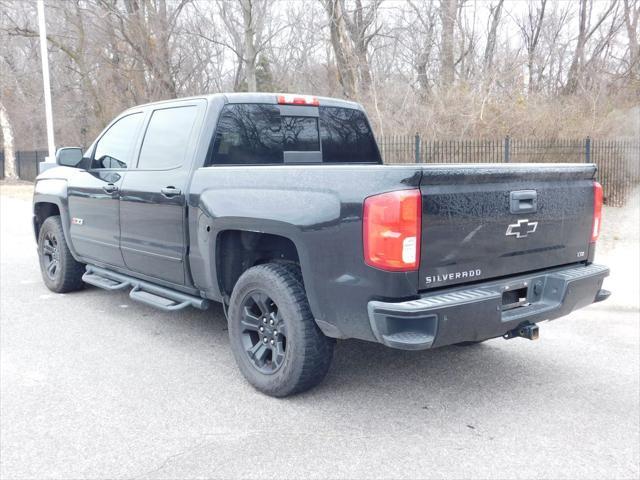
(61, 273)
(51, 255)
(264, 334)
(274, 337)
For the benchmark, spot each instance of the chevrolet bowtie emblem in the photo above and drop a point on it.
(521, 229)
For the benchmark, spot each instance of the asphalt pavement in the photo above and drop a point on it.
(93, 385)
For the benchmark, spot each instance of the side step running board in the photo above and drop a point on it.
(142, 291)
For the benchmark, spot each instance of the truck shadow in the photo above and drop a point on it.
(490, 364)
(360, 369)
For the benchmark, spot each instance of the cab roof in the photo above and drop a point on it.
(256, 97)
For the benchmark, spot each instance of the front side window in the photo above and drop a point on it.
(114, 149)
(166, 140)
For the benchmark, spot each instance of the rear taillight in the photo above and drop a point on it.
(597, 211)
(391, 231)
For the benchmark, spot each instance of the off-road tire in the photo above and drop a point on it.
(308, 353)
(68, 272)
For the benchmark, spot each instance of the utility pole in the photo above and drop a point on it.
(46, 82)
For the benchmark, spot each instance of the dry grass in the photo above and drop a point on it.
(16, 189)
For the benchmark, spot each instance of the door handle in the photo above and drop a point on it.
(110, 188)
(170, 192)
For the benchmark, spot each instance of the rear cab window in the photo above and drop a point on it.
(268, 134)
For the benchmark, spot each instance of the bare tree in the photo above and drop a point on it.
(251, 24)
(351, 35)
(106, 55)
(495, 13)
(631, 15)
(249, 29)
(146, 27)
(448, 14)
(362, 29)
(343, 49)
(585, 32)
(530, 27)
(10, 170)
(421, 33)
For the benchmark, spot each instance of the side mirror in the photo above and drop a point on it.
(69, 156)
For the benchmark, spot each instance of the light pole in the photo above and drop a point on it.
(46, 82)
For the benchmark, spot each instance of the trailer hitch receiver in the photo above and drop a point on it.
(530, 331)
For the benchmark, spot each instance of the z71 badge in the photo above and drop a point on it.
(77, 221)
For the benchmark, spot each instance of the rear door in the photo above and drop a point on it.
(93, 194)
(153, 195)
(481, 222)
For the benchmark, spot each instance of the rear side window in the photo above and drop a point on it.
(346, 136)
(167, 138)
(248, 134)
(259, 134)
(115, 147)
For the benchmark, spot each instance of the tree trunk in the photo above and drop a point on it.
(421, 69)
(10, 170)
(250, 53)
(573, 77)
(357, 28)
(631, 14)
(345, 58)
(448, 12)
(164, 55)
(496, 13)
(364, 69)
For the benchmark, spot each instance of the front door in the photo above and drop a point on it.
(94, 194)
(153, 196)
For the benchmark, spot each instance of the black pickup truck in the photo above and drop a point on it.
(279, 207)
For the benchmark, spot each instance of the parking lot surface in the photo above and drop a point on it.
(93, 385)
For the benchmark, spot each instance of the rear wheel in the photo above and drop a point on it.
(60, 271)
(274, 338)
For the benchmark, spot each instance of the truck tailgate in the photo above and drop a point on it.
(487, 221)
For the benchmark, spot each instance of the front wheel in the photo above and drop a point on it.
(274, 338)
(60, 271)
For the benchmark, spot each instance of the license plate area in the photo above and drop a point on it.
(515, 298)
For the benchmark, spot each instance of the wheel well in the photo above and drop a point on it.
(42, 211)
(239, 250)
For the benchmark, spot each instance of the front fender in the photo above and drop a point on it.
(54, 191)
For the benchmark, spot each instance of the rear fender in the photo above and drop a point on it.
(286, 213)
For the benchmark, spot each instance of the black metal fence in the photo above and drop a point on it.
(618, 161)
(26, 163)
